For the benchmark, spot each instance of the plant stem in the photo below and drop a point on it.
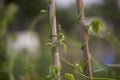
(83, 35)
(81, 74)
(54, 34)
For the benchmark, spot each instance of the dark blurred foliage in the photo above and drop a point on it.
(28, 9)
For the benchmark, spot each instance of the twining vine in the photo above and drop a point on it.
(58, 38)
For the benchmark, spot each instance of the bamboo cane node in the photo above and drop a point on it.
(53, 36)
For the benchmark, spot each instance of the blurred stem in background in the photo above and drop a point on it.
(3, 74)
(6, 18)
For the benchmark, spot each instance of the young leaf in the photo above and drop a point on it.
(64, 47)
(78, 67)
(96, 26)
(61, 38)
(69, 76)
(44, 11)
(53, 72)
(49, 44)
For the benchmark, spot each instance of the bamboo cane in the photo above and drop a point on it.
(83, 37)
(54, 34)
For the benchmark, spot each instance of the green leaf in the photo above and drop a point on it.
(64, 47)
(59, 28)
(54, 71)
(96, 26)
(54, 49)
(78, 67)
(44, 11)
(69, 76)
(49, 44)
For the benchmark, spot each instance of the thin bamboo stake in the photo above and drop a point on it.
(83, 35)
(54, 34)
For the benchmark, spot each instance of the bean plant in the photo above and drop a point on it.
(57, 40)
(84, 71)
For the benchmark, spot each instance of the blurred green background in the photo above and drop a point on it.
(24, 31)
